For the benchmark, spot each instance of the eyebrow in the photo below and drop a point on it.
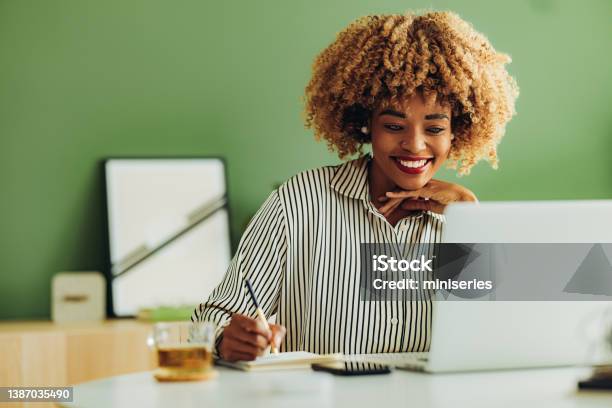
(436, 116)
(393, 113)
(402, 115)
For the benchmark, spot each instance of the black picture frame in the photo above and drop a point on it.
(110, 310)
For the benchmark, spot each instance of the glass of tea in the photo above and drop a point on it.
(184, 350)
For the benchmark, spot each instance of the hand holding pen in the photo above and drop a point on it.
(246, 338)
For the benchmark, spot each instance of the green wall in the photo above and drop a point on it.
(82, 80)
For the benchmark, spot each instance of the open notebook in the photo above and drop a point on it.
(282, 361)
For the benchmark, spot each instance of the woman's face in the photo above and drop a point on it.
(411, 141)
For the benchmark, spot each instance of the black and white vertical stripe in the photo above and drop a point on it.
(301, 253)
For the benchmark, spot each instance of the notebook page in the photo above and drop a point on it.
(283, 358)
(294, 359)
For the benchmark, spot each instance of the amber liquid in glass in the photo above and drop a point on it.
(183, 362)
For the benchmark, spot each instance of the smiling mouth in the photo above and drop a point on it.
(412, 165)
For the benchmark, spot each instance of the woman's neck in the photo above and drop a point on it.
(379, 183)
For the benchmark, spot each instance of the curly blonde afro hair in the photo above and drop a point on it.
(382, 59)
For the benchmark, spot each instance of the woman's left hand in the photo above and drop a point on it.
(434, 196)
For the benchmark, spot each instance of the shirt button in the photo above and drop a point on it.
(393, 321)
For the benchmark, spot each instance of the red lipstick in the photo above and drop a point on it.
(414, 167)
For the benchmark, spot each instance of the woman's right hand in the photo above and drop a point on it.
(434, 196)
(245, 338)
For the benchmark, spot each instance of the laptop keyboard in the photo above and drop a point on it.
(407, 361)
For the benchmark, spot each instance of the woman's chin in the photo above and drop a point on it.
(413, 184)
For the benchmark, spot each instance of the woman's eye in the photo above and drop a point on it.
(393, 128)
(435, 130)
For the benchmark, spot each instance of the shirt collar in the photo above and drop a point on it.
(351, 178)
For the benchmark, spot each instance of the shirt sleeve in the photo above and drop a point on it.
(261, 258)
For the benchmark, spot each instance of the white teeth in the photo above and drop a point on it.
(413, 163)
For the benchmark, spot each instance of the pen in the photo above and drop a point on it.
(260, 312)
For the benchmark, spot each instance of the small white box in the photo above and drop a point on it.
(78, 297)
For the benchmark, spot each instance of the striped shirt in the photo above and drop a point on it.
(301, 252)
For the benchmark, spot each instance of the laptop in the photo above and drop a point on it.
(493, 335)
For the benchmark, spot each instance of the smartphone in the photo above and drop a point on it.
(348, 368)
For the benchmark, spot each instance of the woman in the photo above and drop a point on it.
(423, 90)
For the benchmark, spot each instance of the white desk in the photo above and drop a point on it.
(305, 388)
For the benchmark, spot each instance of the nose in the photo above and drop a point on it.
(413, 141)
